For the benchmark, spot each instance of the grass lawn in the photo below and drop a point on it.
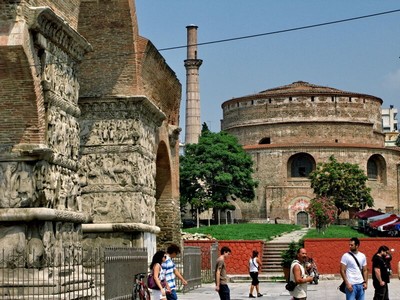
(248, 231)
(335, 231)
(265, 232)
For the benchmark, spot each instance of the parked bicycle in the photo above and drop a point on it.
(140, 290)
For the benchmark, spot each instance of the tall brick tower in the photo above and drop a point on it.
(192, 65)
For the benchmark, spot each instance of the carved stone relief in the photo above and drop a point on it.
(119, 207)
(17, 185)
(56, 243)
(59, 74)
(118, 164)
(57, 187)
(62, 133)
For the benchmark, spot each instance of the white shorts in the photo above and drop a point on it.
(157, 295)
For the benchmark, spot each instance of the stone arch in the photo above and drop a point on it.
(376, 168)
(297, 205)
(300, 165)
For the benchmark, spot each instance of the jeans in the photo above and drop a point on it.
(358, 292)
(172, 295)
(381, 292)
(224, 292)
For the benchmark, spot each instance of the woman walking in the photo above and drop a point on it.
(159, 276)
(254, 267)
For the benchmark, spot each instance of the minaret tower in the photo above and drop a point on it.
(192, 65)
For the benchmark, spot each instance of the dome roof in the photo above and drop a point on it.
(301, 88)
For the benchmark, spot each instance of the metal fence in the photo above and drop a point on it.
(94, 274)
(196, 265)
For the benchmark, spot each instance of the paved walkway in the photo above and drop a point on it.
(291, 236)
(326, 289)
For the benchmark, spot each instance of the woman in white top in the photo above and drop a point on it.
(254, 267)
(159, 276)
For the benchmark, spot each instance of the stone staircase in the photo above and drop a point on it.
(271, 257)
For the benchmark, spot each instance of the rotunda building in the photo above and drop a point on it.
(288, 130)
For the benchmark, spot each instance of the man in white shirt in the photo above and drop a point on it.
(354, 275)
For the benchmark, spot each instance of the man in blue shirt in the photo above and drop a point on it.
(171, 272)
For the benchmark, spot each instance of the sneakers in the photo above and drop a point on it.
(251, 296)
(259, 295)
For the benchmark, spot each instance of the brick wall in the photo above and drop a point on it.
(327, 252)
(238, 261)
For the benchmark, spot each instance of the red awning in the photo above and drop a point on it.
(391, 219)
(365, 214)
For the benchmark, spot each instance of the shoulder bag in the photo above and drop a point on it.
(151, 283)
(342, 286)
(291, 285)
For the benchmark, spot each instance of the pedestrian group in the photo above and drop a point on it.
(353, 270)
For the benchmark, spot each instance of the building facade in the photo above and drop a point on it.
(288, 130)
(89, 114)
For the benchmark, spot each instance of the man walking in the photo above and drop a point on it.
(353, 269)
(380, 274)
(299, 276)
(171, 271)
(221, 278)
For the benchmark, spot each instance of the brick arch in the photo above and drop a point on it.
(21, 98)
(165, 204)
(163, 173)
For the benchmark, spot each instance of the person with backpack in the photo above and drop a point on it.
(353, 269)
(254, 267)
(299, 277)
(381, 274)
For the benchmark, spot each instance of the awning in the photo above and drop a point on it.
(389, 220)
(365, 214)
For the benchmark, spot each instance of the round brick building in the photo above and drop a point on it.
(289, 129)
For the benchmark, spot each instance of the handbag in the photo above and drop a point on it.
(151, 284)
(290, 286)
(342, 286)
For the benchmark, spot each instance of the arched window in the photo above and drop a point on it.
(376, 168)
(372, 169)
(300, 165)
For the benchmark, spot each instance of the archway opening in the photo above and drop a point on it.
(300, 165)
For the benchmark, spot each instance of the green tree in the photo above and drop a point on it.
(345, 183)
(213, 169)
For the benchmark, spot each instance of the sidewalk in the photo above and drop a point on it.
(325, 290)
(291, 236)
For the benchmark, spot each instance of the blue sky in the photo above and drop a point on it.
(359, 56)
